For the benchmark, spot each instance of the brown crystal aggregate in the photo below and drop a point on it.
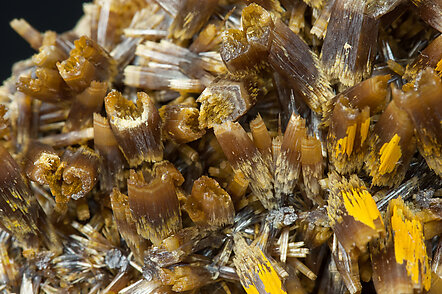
(225, 146)
(347, 56)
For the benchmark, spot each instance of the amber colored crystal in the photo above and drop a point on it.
(19, 210)
(388, 276)
(428, 211)
(55, 115)
(154, 206)
(297, 20)
(167, 66)
(355, 220)
(312, 167)
(126, 223)
(225, 100)
(379, 8)
(350, 42)
(21, 214)
(392, 145)
(353, 214)
(48, 56)
(246, 50)
(3, 121)
(87, 62)
(314, 227)
(183, 242)
(237, 187)
(293, 285)
(180, 123)
(190, 18)
(112, 161)
(255, 270)
(423, 105)
(209, 205)
(186, 277)
(166, 169)
(268, 152)
(9, 269)
(347, 265)
(245, 157)
(137, 127)
(69, 138)
(261, 137)
(348, 135)
(287, 159)
(207, 39)
(400, 262)
(431, 12)
(319, 27)
(429, 57)
(372, 93)
(271, 5)
(83, 212)
(47, 86)
(152, 78)
(42, 165)
(77, 72)
(27, 32)
(291, 57)
(112, 17)
(84, 105)
(80, 172)
(238, 55)
(23, 118)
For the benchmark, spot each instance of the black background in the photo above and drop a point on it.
(55, 15)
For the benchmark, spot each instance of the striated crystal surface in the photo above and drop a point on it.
(225, 146)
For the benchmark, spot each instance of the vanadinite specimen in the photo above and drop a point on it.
(226, 146)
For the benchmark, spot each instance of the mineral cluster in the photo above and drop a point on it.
(226, 146)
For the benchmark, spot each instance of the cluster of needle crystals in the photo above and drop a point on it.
(226, 146)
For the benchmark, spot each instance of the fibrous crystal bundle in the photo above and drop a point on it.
(226, 146)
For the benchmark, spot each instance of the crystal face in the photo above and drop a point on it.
(270, 146)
